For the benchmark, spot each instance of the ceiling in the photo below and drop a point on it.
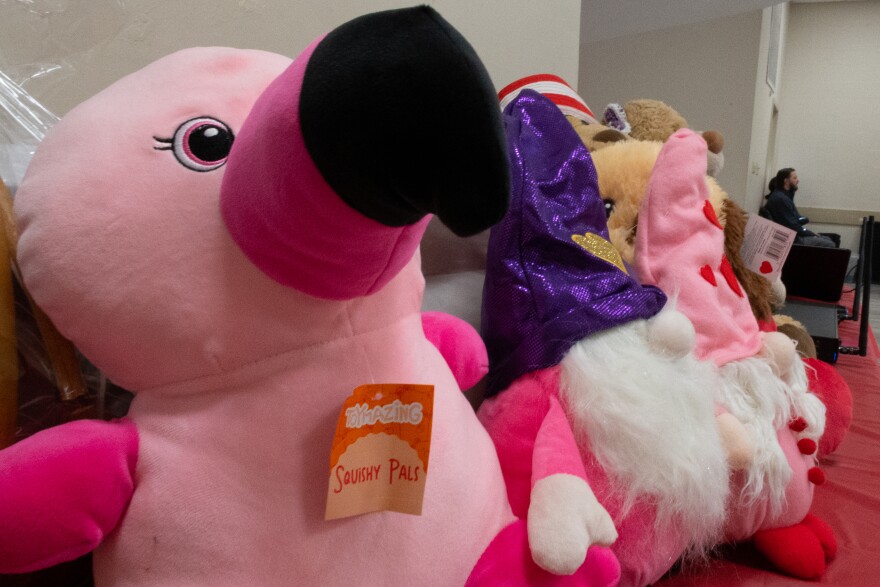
(606, 19)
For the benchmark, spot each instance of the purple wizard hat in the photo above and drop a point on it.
(552, 276)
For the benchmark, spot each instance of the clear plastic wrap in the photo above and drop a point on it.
(45, 381)
(23, 124)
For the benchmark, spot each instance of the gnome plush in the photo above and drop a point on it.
(599, 412)
(680, 248)
(216, 236)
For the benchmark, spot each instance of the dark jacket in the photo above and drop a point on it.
(781, 209)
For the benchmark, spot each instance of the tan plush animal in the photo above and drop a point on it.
(8, 354)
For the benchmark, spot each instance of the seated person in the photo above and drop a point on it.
(780, 209)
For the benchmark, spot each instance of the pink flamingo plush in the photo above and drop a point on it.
(233, 236)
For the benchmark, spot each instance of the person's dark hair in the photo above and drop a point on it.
(778, 181)
(782, 175)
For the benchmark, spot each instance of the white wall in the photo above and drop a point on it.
(93, 43)
(706, 71)
(762, 150)
(828, 122)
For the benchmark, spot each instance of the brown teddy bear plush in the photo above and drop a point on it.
(653, 120)
(649, 120)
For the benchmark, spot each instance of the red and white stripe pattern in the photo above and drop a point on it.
(555, 89)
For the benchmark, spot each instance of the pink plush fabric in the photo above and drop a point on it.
(239, 379)
(508, 562)
(677, 249)
(63, 491)
(286, 218)
(556, 451)
(460, 344)
(235, 469)
(102, 221)
(514, 420)
(744, 519)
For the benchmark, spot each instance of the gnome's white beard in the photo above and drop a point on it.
(764, 403)
(649, 419)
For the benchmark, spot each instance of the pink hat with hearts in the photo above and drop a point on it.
(680, 249)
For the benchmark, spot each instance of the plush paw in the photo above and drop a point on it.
(63, 490)
(461, 347)
(564, 520)
(779, 293)
(779, 351)
(739, 448)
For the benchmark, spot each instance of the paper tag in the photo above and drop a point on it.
(766, 246)
(379, 460)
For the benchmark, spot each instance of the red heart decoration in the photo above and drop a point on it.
(708, 275)
(709, 211)
(766, 267)
(730, 276)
